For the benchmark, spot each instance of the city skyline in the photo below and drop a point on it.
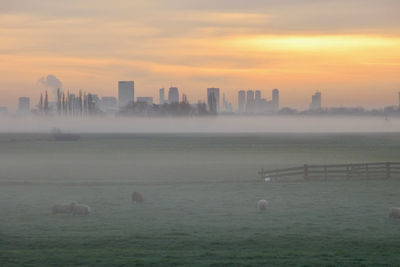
(250, 102)
(247, 101)
(348, 49)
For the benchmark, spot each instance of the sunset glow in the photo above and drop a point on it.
(197, 46)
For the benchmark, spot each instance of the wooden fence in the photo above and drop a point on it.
(375, 170)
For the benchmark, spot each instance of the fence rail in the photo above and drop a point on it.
(373, 170)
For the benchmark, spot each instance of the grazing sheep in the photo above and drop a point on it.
(80, 209)
(262, 204)
(137, 197)
(394, 213)
(61, 208)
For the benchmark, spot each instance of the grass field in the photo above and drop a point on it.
(200, 207)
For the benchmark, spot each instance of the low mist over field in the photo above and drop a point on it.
(222, 124)
(200, 195)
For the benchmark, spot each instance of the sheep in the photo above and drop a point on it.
(137, 197)
(79, 209)
(394, 213)
(61, 208)
(262, 204)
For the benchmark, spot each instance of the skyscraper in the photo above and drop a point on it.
(258, 105)
(173, 95)
(250, 101)
(316, 101)
(241, 101)
(258, 95)
(24, 105)
(275, 100)
(126, 93)
(215, 92)
(162, 96)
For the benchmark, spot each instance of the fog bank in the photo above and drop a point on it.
(223, 124)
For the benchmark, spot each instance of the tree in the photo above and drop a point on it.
(46, 102)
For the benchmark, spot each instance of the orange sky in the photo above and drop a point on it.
(349, 50)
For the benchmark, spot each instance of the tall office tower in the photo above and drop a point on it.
(126, 93)
(275, 100)
(24, 105)
(241, 101)
(258, 106)
(162, 96)
(316, 101)
(258, 95)
(173, 95)
(215, 92)
(250, 101)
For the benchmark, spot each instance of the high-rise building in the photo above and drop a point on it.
(258, 105)
(126, 93)
(275, 100)
(250, 101)
(241, 101)
(316, 101)
(145, 99)
(162, 96)
(24, 105)
(173, 95)
(258, 96)
(213, 95)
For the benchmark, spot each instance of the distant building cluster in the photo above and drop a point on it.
(171, 103)
(253, 103)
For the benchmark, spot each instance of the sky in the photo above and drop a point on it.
(349, 50)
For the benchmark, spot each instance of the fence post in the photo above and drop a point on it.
(387, 170)
(305, 171)
(366, 171)
(326, 172)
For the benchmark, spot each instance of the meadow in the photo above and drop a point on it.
(201, 193)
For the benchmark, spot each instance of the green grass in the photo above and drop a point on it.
(201, 194)
(317, 223)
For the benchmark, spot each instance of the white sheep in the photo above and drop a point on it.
(394, 213)
(262, 204)
(79, 209)
(61, 208)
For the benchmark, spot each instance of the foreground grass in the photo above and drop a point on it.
(200, 202)
(188, 249)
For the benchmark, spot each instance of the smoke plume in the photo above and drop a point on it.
(51, 82)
